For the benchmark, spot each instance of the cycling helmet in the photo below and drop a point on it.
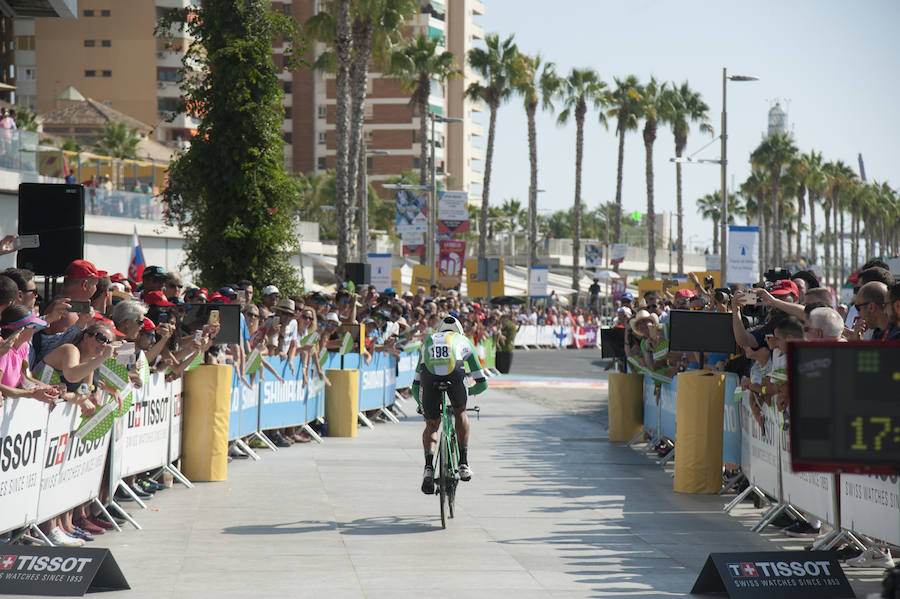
(450, 324)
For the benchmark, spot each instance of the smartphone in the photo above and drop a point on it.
(27, 241)
(198, 334)
(270, 321)
(213, 317)
(80, 306)
(745, 299)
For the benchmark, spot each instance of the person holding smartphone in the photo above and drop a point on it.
(17, 326)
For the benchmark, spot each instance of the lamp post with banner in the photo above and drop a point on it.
(532, 236)
(362, 192)
(432, 209)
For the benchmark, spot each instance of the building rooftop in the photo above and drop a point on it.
(89, 113)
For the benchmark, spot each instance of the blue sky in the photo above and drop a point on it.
(834, 65)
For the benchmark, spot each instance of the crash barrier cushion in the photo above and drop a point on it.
(206, 416)
(625, 405)
(699, 414)
(342, 402)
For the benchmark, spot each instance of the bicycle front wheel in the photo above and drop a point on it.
(443, 464)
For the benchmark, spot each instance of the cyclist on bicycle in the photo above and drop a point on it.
(442, 361)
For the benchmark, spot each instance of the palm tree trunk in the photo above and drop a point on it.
(423, 141)
(530, 110)
(649, 138)
(834, 213)
(359, 69)
(680, 216)
(576, 217)
(763, 231)
(770, 240)
(801, 202)
(841, 237)
(617, 223)
(812, 226)
(776, 208)
(716, 236)
(486, 187)
(342, 46)
(854, 234)
(827, 244)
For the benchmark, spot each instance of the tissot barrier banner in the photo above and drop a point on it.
(743, 254)
(23, 423)
(144, 443)
(380, 271)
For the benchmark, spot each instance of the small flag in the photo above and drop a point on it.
(115, 374)
(136, 267)
(412, 346)
(99, 423)
(323, 357)
(143, 368)
(311, 338)
(197, 361)
(48, 376)
(254, 361)
(346, 343)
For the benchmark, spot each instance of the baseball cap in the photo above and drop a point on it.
(218, 297)
(157, 272)
(100, 318)
(201, 291)
(82, 269)
(148, 325)
(116, 278)
(627, 296)
(156, 298)
(30, 319)
(625, 310)
(390, 291)
(784, 287)
(684, 293)
(332, 317)
(228, 292)
(270, 290)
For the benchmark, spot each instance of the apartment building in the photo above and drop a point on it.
(108, 53)
(390, 125)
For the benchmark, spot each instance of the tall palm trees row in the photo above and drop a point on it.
(360, 32)
(782, 194)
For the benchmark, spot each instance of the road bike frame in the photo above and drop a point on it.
(447, 471)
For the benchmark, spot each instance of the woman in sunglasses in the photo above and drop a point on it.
(17, 326)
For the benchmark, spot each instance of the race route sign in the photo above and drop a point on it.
(774, 575)
(59, 571)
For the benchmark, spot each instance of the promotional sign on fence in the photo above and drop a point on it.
(451, 258)
(743, 254)
(176, 388)
(540, 278)
(593, 255)
(775, 575)
(453, 215)
(617, 287)
(731, 428)
(145, 439)
(380, 269)
(23, 423)
(72, 468)
(760, 437)
(871, 505)
(810, 492)
(283, 404)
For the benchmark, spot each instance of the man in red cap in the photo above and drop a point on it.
(79, 285)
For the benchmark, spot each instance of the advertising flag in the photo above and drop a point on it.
(412, 220)
(450, 263)
(453, 216)
(593, 256)
(617, 252)
(380, 270)
(743, 259)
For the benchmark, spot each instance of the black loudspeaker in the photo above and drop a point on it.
(359, 272)
(55, 211)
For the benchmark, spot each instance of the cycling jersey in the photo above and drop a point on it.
(443, 357)
(442, 353)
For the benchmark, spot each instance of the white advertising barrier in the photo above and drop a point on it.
(23, 423)
(142, 435)
(526, 335)
(545, 335)
(72, 468)
(871, 505)
(810, 492)
(176, 391)
(762, 448)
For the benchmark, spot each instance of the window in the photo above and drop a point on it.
(106, 43)
(286, 86)
(29, 73)
(320, 163)
(322, 111)
(288, 113)
(287, 137)
(286, 9)
(166, 104)
(368, 163)
(167, 74)
(88, 13)
(107, 73)
(322, 138)
(90, 73)
(368, 136)
(24, 42)
(88, 43)
(104, 13)
(415, 162)
(368, 111)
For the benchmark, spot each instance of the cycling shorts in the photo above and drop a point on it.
(457, 392)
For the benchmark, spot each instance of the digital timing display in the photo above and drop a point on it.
(845, 405)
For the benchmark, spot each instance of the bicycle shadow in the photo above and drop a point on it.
(377, 526)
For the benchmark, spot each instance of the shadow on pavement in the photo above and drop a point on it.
(386, 525)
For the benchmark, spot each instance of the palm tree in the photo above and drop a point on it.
(814, 181)
(581, 87)
(710, 207)
(500, 69)
(625, 106)
(539, 83)
(685, 106)
(416, 64)
(343, 50)
(118, 141)
(773, 153)
(836, 175)
(755, 187)
(654, 100)
(797, 176)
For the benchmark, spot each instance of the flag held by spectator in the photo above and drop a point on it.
(136, 266)
(254, 361)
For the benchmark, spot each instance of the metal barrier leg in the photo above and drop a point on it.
(268, 443)
(769, 516)
(732, 481)
(246, 449)
(109, 517)
(634, 440)
(122, 485)
(177, 474)
(365, 421)
(741, 496)
(387, 414)
(665, 459)
(124, 514)
(40, 536)
(311, 433)
(827, 542)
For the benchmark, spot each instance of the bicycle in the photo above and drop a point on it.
(447, 470)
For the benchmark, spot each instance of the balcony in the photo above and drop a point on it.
(477, 32)
(477, 7)
(19, 151)
(122, 204)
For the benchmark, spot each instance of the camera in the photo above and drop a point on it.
(158, 315)
(709, 282)
(722, 295)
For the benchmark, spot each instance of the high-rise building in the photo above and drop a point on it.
(108, 53)
(390, 124)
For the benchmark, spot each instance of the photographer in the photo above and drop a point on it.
(784, 290)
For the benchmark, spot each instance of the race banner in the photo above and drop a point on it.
(453, 216)
(618, 286)
(810, 492)
(537, 285)
(743, 258)
(282, 404)
(380, 265)
(759, 450)
(144, 442)
(23, 423)
(617, 252)
(72, 468)
(176, 389)
(450, 263)
(593, 256)
(412, 220)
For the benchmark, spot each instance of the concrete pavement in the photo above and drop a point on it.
(554, 510)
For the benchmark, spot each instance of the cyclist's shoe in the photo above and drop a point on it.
(465, 473)
(428, 481)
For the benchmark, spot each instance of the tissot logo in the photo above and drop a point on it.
(41, 563)
(19, 450)
(779, 569)
(7, 562)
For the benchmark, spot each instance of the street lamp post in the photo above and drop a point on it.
(723, 252)
(432, 209)
(532, 236)
(362, 191)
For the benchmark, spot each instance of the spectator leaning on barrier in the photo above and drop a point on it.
(270, 297)
(17, 325)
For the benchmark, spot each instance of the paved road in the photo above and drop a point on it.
(555, 510)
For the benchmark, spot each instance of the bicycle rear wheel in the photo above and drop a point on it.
(451, 476)
(442, 478)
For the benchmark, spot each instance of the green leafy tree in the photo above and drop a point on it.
(625, 107)
(118, 141)
(70, 144)
(26, 119)
(228, 194)
(500, 68)
(579, 89)
(774, 153)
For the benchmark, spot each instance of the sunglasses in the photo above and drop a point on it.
(252, 315)
(150, 336)
(102, 338)
(859, 306)
(306, 317)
